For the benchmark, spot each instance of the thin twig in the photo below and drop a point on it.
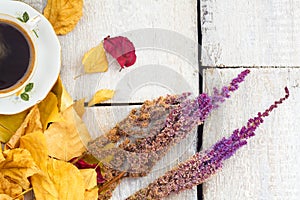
(26, 191)
(115, 179)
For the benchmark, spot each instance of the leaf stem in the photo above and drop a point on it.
(26, 191)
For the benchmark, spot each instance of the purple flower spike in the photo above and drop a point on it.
(147, 134)
(219, 97)
(204, 164)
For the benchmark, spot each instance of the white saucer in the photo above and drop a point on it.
(49, 60)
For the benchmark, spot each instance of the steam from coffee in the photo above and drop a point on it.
(3, 48)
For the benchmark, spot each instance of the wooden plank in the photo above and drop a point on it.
(135, 19)
(250, 32)
(268, 167)
(101, 119)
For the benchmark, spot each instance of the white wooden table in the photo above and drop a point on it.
(236, 33)
(130, 18)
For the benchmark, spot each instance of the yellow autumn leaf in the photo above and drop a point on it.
(57, 90)
(63, 14)
(68, 138)
(62, 180)
(36, 144)
(100, 96)
(79, 107)
(64, 99)
(5, 197)
(9, 125)
(95, 60)
(57, 179)
(91, 194)
(31, 123)
(8, 189)
(1, 155)
(43, 186)
(90, 179)
(18, 166)
(49, 110)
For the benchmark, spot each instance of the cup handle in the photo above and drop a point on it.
(33, 22)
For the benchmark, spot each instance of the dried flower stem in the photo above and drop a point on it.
(204, 164)
(149, 132)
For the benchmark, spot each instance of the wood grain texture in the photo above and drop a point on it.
(178, 60)
(268, 167)
(131, 18)
(250, 32)
(36, 4)
(101, 119)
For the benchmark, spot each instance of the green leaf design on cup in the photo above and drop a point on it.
(25, 96)
(29, 87)
(25, 17)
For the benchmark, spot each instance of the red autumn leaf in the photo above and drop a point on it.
(122, 49)
(81, 164)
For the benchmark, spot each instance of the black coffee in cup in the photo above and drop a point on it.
(16, 55)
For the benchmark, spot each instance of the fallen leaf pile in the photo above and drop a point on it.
(38, 144)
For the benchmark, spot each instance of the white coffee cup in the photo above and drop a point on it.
(18, 60)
